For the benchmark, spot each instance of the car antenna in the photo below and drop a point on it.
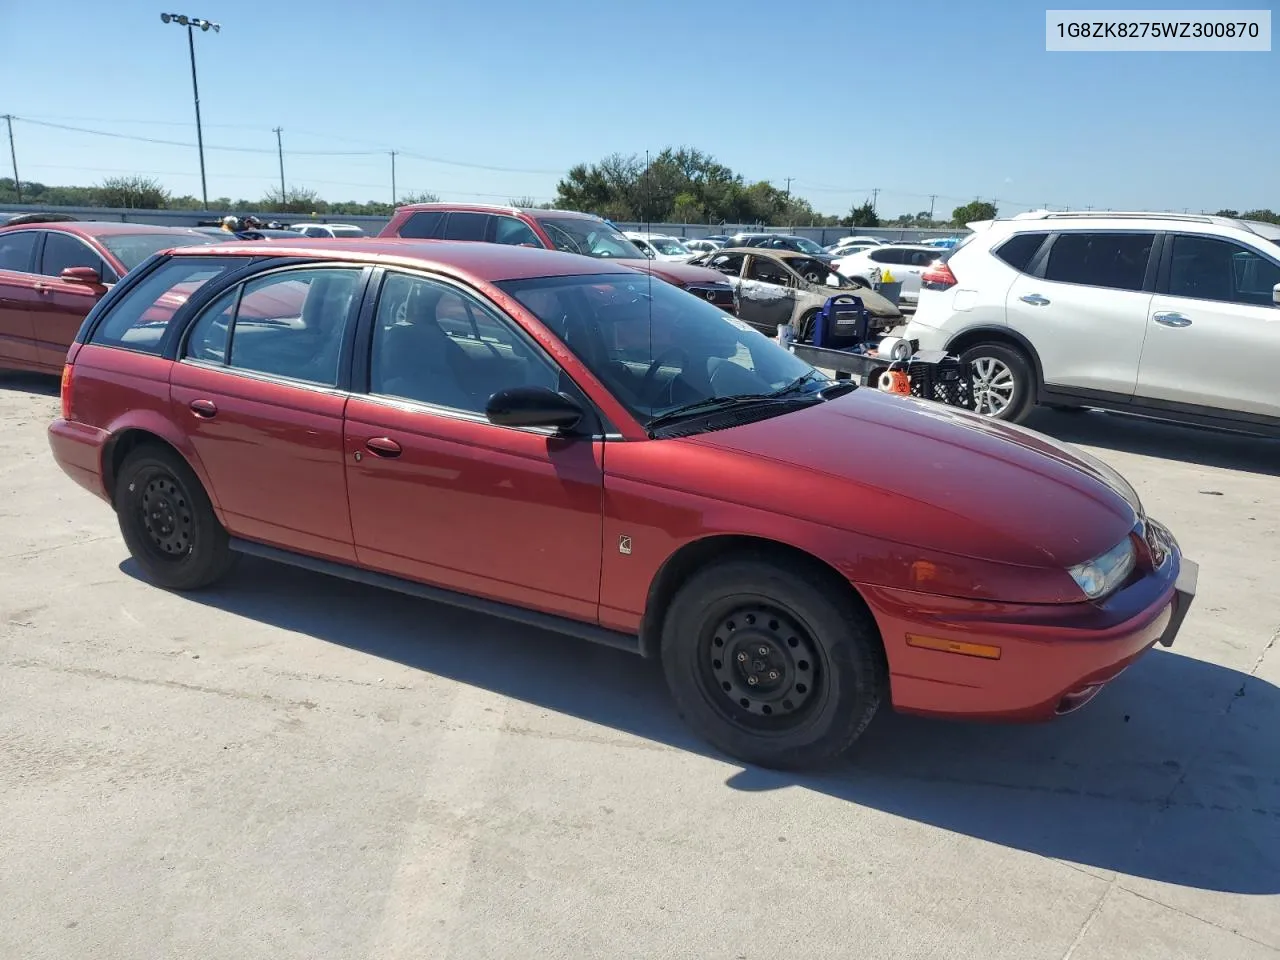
(649, 272)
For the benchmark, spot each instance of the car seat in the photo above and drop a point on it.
(416, 360)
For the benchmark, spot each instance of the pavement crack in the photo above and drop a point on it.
(1185, 913)
(96, 674)
(31, 554)
(1088, 921)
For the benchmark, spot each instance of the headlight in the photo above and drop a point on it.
(1101, 575)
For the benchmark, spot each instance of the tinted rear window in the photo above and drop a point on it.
(1115, 260)
(139, 319)
(1018, 250)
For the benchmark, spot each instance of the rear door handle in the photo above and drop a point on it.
(1171, 318)
(383, 446)
(204, 408)
(42, 287)
(1035, 300)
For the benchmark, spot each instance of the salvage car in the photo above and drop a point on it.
(780, 287)
(53, 269)
(562, 442)
(660, 246)
(779, 241)
(565, 230)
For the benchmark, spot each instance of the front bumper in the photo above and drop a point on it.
(1052, 659)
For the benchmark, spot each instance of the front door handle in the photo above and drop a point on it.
(1171, 318)
(383, 446)
(1035, 300)
(204, 408)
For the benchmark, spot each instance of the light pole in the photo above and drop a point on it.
(190, 23)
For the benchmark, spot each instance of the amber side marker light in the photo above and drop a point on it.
(984, 650)
(65, 391)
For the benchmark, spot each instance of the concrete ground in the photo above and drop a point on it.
(291, 766)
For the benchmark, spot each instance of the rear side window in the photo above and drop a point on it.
(1114, 260)
(1019, 249)
(139, 319)
(16, 250)
(422, 226)
(886, 255)
(466, 226)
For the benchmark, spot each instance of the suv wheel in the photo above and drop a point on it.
(1003, 381)
(769, 667)
(167, 521)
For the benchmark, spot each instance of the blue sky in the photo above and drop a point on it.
(915, 98)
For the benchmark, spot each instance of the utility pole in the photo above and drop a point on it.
(932, 198)
(191, 23)
(13, 155)
(280, 153)
(393, 178)
(789, 179)
(875, 198)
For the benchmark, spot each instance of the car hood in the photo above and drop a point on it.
(680, 274)
(877, 305)
(935, 477)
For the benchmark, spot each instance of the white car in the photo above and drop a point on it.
(702, 245)
(659, 246)
(1169, 316)
(905, 262)
(328, 230)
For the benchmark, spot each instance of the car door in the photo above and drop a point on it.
(439, 494)
(62, 305)
(768, 296)
(262, 386)
(914, 263)
(18, 295)
(1213, 329)
(1083, 306)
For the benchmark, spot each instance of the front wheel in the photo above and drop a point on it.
(1003, 381)
(167, 521)
(770, 666)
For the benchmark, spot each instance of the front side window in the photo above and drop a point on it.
(290, 324)
(139, 319)
(1114, 260)
(514, 232)
(768, 271)
(730, 264)
(61, 250)
(436, 345)
(589, 238)
(1209, 269)
(656, 347)
(16, 249)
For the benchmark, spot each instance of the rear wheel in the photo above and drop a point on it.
(805, 326)
(167, 521)
(1003, 381)
(770, 666)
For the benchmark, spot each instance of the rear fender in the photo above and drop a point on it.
(132, 425)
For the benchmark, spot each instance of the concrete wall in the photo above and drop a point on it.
(371, 225)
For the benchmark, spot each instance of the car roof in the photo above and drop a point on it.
(490, 262)
(494, 208)
(767, 252)
(99, 228)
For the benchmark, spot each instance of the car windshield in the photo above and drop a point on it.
(816, 271)
(591, 238)
(656, 347)
(132, 248)
(669, 245)
(805, 245)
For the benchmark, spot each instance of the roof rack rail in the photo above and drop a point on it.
(1127, 215)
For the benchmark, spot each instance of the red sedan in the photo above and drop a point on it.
(53, 272)
(562, 442)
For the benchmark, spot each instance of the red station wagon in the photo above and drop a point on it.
(52, 273)
(564, 443)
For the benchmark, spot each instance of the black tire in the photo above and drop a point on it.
(805, 326)
(167, 521)
(996, 361)
(818, 685)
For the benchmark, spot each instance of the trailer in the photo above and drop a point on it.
(842, 341)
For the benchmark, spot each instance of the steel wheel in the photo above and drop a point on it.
(167, 517)
(760, 669)
(993, 386)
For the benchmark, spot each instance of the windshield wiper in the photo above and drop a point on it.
(795, 384)
(711, 405)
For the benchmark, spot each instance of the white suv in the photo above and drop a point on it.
(1169, 316)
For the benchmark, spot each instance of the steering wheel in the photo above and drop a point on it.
(646, 382)
(813, 276)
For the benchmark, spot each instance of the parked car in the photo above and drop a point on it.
(702, 245)
(1169, 316)
(52, 272)
(321, 230)
(781, 286)
(779, 241)
(945, 242)
(659, 246)
(562, 442)
(905, 263)
(836, 252)
(565, 230)
(860, 241)
(256, 233)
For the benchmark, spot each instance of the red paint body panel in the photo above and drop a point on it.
(947, 525)
(18, 297)
(505, 514)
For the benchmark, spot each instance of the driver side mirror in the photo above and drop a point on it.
(85, 275)
(1275, 294)
(533, 407)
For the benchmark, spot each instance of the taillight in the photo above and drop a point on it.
(938, 277)
(66, 391)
